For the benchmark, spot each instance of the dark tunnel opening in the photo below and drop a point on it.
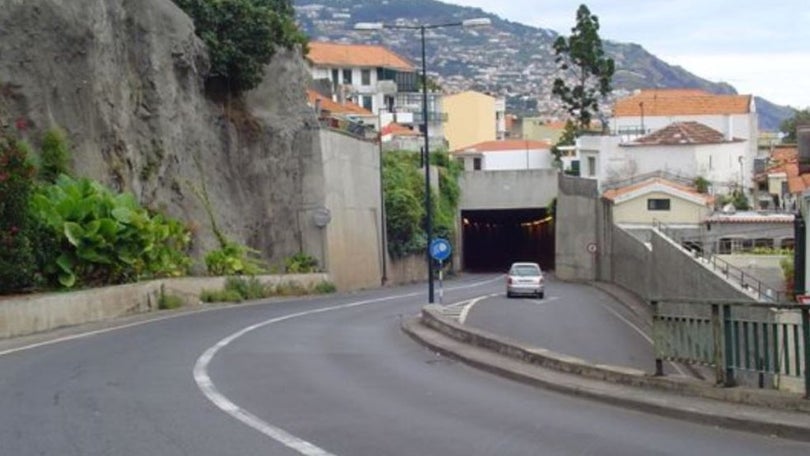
(494, 239)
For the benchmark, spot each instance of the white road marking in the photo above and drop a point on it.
(207, 387)
(466, 310)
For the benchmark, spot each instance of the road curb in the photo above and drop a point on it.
(757, 411)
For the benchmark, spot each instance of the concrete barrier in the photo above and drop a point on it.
(30, 314)
(432, 317)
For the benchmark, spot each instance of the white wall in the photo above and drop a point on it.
(517, 159)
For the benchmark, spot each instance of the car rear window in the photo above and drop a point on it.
(526, 270)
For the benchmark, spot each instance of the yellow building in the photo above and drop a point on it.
(471, 119)
(660, 200)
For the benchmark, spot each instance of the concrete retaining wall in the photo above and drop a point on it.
(24, 315)
(577, 206)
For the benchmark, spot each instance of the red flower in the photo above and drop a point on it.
(21, 124)
(3, 177)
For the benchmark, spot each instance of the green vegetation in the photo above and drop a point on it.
(17, 261)
(300, 263)
(106, 238)
(242, 36)
(788, 274)
(404, 189)
(233, 258)
(788, 126)
(702, 184)
(242, 288)
(55, 156)
(568, 138)
(581, 57)
(737, 199)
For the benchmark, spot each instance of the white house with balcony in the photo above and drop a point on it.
(733, 116)
(687, 150)
(511, 154)
(379, 80)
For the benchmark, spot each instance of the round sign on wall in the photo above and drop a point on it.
(591, 247)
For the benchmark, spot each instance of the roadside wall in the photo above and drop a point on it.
(630, 262)
(24, 315)
(577, 206)
(351, 243)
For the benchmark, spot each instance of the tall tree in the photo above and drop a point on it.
(586, 71)
(788, 126)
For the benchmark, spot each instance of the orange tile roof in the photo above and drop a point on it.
(674, 102)
(334, 107)
(503, 145)
(396, 129)
(680, 133)
(614, 193)
(786, 160)
(356, 55)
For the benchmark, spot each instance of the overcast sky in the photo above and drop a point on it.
(760, 47)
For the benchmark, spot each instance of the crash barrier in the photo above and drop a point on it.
(768, 341)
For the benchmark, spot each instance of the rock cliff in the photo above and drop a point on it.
(125, 80)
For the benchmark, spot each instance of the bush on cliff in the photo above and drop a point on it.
(16, 183)
(242, 36)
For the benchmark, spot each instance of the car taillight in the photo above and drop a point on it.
(541, 279)
(509, 280)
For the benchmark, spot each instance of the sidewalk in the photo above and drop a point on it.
(761, 411)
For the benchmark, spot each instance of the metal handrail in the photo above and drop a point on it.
(731, 272)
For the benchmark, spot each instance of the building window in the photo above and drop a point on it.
(658, 204)
(365, 77)
(591, 166)
(788, 243)
(763, 243)
(477, 163)
(335, 80)
(347, 76)
(367, 102)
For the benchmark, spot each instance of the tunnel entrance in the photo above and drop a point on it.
(493, 239)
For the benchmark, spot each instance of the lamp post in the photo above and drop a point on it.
(370, 26)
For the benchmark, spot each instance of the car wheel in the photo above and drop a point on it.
(508, 294)
(540, 295)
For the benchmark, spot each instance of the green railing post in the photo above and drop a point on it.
(728, 362)
(806, 336)
(717, 346)
(659, 362)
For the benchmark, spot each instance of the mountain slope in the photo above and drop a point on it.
(509, 59)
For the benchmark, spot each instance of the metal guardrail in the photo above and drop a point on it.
(732, 273)
(732, 344)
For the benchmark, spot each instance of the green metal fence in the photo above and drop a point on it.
(725, 336)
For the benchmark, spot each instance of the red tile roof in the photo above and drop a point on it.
(613, 194)
(786, 160)
(674, 102)
(504, 145)
(681, 133)
(396, 129)
(336, 108)
(356, 55)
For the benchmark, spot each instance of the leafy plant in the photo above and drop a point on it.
(702, 184)
(300, 263)
(55, 156)
(324, 287)
(232, 259)
(242, 36)
(106, 238)
(582, 57)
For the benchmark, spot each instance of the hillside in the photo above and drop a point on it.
(509, 59)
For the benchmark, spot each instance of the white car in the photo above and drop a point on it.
(525, 279)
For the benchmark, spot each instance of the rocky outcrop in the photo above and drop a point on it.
(125, 80)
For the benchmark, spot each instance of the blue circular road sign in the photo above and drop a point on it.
(440, 249)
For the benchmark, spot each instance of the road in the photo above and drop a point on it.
(573, 319)
(320, 376)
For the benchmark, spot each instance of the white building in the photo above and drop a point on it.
(379, 80)
(512, 154)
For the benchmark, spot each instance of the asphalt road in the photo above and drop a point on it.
(325, 376)
(572, 319)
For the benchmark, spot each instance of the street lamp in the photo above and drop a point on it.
(370, 26)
